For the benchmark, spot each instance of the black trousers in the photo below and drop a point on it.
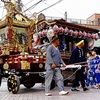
(79, 76)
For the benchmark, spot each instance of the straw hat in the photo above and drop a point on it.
(54, 38)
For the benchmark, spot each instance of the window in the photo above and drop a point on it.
(92, 22)
(99, 21)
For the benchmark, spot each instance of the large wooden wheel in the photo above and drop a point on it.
(13, 84)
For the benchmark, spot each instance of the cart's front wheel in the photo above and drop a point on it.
(13, 84)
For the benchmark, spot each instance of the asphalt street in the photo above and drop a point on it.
(37, 93)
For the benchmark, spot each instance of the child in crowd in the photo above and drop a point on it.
(97, 71)
(95, 62)
(89, 70)
(95, 59)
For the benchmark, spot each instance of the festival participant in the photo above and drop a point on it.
(95, 63)
(78, 56)
(90, 73)
(97, 71)
(52, 66)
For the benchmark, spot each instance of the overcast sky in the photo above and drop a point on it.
(76, 9)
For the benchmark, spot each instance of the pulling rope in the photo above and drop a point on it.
(78, 67)
(71, 75)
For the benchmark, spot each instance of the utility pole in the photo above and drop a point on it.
(66, 16)
(19, 8)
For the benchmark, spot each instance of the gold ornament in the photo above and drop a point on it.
(40, 65)
(39, 53)
(5, 66)
(25, 65)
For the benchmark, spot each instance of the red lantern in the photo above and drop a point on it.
(66, 30)
(84, 34)
(93, 36)
(61, 30)
(80, 34)
(90, 43)
(89, 35)
(75, 33)
(70, 32)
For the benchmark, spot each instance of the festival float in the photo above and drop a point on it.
(20, 62)
(23, 43)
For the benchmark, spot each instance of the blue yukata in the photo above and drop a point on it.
(95, 62)
(90, 72)
(98, 76)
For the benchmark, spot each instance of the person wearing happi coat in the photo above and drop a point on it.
(77, 56)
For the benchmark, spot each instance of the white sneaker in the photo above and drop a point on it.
(48, 94)
(63, 92)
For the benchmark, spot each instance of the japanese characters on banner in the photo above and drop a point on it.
(66, 31)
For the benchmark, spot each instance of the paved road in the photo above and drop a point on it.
(37, 93)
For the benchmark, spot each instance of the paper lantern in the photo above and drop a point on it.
(70, 32)
(75, 33)
(93, 36)
(80, 34)
(84, 34)
(88, 35)
(61, 30)
(96, 37)
(55, 28)
(90, 43)
(66, 30)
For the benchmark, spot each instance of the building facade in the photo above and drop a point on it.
(94, 21)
